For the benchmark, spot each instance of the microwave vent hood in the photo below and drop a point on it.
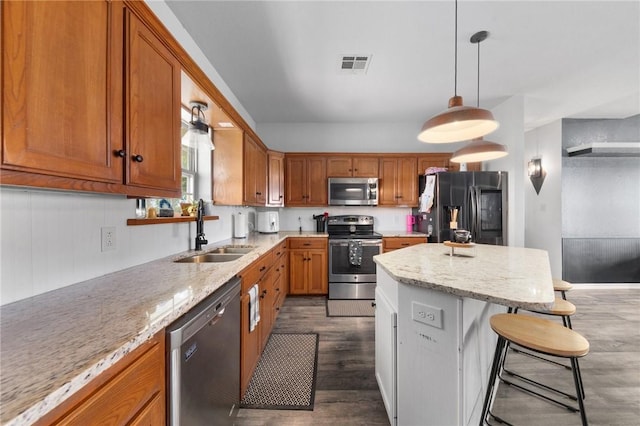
(606, 149)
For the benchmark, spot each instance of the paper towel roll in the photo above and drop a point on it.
(240, 225)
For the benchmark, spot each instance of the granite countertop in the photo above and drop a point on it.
(511, 276)
(55, 343)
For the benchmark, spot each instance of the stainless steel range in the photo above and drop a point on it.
(352, 245)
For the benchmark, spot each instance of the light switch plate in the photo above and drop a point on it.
(426, 314)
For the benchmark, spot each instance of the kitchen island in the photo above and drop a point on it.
(434, 346)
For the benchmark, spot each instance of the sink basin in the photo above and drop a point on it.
(211, 258)
(232, 249)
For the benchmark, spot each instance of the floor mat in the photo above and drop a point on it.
(285, 378)
(350, 308)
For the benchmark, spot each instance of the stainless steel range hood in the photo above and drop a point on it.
(606, 149)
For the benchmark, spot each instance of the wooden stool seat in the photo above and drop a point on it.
(561, 307)
(560, 285)
(540, 335)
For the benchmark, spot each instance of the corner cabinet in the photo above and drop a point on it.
(91, 106)
(305, 180)
(308, 268)
(398, 184)
(255, 173)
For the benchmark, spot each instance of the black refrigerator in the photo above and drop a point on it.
(480, 200)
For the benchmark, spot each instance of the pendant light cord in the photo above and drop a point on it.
(455, 49)
(478, 94)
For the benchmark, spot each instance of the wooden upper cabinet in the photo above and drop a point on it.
(398, 185)
(275, 179)
(153, 110)
(441, 159)
(228, 167)
(305, 180)
(352, 166)
(62, 88)
(255, 173)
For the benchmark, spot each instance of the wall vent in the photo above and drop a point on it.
(354, 64)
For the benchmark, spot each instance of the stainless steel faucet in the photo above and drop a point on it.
(200, 240)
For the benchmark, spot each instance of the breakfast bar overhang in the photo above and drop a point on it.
(434, 345)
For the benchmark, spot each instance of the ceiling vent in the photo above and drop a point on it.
(354, 64)
(606, 149)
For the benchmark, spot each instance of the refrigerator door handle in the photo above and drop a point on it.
(474, 213)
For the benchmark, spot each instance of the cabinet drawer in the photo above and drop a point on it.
(401, 242)
(279, 250)
(308, 243)
(127, 395)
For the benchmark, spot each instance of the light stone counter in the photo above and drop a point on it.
(55, 343)
(403, 234)
(511, 276)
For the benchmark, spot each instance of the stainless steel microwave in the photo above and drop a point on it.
(353, 191)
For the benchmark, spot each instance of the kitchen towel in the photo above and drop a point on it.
(254, 307)
(355, 253)
(426, 199)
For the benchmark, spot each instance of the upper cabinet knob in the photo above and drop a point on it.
(137, 158)
(120, 153)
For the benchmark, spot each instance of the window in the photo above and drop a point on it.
(189, 163)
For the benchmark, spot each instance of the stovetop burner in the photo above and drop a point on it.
(351, 227)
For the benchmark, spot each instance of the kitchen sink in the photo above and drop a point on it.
(218, 255)
(211, 258)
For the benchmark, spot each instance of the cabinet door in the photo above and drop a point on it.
(387, 183)
(317, 181)
(275, 179)
(295, 178)
(297, 272)
(407, 183)
(433, 160)
(365, 166)
(250, 345)
(62, 88)
(153, 110)
(339, 167)
(261, 176)
(318, 274)
(249, 173)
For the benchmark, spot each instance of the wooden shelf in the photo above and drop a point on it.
(175, 219)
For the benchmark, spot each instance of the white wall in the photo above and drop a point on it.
(543, 212)
(386, 219)
(50, 239)
(510, 115)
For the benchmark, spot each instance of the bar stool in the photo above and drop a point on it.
(560, 308)
(538, 335)
(561, 286)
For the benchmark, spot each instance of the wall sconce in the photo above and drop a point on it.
(536, 173)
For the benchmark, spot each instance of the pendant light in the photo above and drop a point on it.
(197, 135)
(458, 122)
(479, 149)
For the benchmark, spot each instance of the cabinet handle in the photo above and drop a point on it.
(137, 158)
(258, 193)
(120, 153)
(306, 244)
(280, 197)
(355, 170)
(263, 268)
(404, 244)
(373, 304)
(398, 196)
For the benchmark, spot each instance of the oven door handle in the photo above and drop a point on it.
(364, 242)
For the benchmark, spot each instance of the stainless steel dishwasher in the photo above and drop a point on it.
(203, 361)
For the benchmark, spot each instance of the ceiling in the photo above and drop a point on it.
(281, 59)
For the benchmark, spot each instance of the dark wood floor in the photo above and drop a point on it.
(347, 392)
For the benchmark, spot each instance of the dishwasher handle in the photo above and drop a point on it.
(217, 318)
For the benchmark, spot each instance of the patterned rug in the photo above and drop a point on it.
(350, 308)
(285, 378)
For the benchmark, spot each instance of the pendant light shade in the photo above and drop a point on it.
(458, 122)
(197, 135)
(479, 150)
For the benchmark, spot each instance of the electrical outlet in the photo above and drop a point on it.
(108, 238)
(426, 314)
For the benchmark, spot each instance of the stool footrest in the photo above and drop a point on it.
(540, 385)
(538, 394)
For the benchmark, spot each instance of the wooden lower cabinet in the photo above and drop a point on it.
(395, 243)
(130, 392)
(308, 273)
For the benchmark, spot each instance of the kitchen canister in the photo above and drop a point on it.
(239, 225)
